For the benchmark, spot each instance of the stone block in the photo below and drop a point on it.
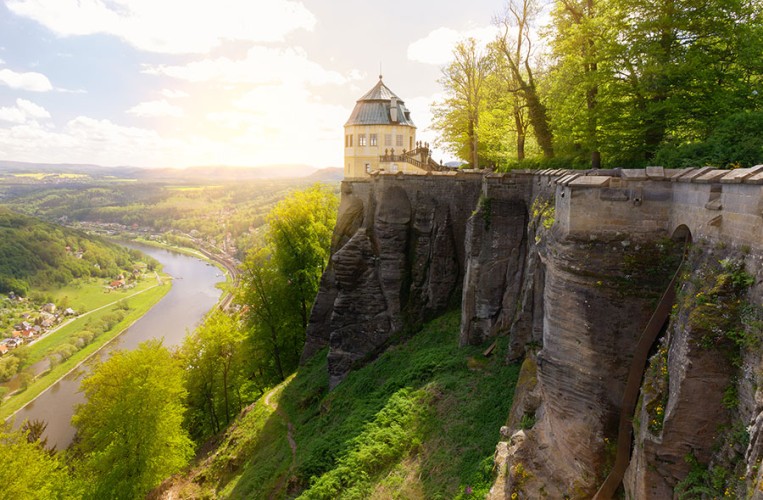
(590, 181)
(634, 174)
(711, 176)
(754, 179)
(738, 175)
(655, 172)
(693, 174)
(675, 173)
(565, 180)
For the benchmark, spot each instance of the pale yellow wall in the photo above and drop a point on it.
(356, 156)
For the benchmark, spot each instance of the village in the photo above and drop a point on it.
(31, 321)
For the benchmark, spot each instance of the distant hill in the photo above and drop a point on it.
(217, 172)
(33, 252)
(328, 174)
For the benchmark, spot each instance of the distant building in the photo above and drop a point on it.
(380, 136)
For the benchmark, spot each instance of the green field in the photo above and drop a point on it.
(139, 305)
(101, 304)
(84, 296)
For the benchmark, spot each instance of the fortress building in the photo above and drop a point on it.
(380, 136)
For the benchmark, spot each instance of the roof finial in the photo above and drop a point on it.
(380, 70)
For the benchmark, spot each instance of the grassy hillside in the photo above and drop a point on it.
(419, 422)
(33, 252)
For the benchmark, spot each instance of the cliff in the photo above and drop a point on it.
(571, 266)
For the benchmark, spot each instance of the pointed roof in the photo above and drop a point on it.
(380, 92)
(374, 108)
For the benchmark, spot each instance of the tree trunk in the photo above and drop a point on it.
(277, 354)
(539, 121)
(226, 367)
(521, 133)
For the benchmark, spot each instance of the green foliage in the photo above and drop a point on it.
(393, 433)
(31, 471)
(623, 84)
(485, 208)
(405, 423)
(458, 117)
(279, 281)
(716, 317)
(216, 363)
(34, 253)
(130, 428)
(734, 142)
(299, 236)
(10, 364)
(656, 389)
(701, 482)
(527, 421)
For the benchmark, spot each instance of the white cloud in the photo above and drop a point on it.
(170, 26)
(12, 115)
(31, 109)
(174, 94)
(262, 65)
(156, 108)
(437, 47)
(23, 112)
(34, 82)
(86, 140)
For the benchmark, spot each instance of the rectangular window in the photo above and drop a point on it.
(410, 140)
(361, 139)
(399, 141)
(373, 139)
(388, 139)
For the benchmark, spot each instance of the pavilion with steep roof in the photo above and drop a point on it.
(380, 136)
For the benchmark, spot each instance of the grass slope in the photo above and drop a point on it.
(421, 421)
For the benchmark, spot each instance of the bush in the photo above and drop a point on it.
(735, 142)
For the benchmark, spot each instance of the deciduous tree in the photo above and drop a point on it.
(130, 428)
(215, 359)
(457, 118)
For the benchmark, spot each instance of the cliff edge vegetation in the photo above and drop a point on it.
(421, 421)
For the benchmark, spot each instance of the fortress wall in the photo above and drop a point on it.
(419, 240)
(724, 212)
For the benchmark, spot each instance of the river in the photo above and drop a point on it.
(192, 295)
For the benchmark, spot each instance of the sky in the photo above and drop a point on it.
(176, 83)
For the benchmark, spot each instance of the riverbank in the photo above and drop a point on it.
(140, 303)
(226, 265)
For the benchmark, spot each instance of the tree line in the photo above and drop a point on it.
(148, 409)
(609, 83)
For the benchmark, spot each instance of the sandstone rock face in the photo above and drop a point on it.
(573, 294)
(495, 248)
(397, 260)
(707, 402)
(582, 304)
(349, 219)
